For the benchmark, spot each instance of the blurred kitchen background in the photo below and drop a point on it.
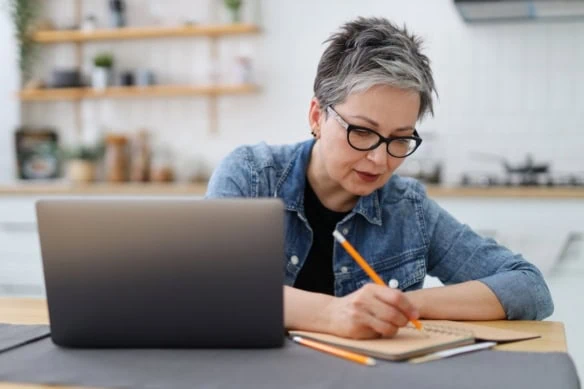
(144, 98)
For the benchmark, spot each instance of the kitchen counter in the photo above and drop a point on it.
(146, 189)
(507, 192)
(198, 189)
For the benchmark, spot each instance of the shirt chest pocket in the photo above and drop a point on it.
(409, 269)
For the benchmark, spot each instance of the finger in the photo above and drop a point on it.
(398, 300)
(383, 328)
(388, 313)
(355, 323)
(369, 299)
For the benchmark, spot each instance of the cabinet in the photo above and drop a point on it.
(542, 229)
(20, 256)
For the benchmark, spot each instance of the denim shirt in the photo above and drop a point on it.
(402, 233)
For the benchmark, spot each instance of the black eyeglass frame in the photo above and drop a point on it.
(350, 127)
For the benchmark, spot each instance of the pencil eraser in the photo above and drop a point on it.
(338, 236)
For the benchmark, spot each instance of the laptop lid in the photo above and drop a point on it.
(163, 273)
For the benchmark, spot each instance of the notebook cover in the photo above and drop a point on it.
(408, 342)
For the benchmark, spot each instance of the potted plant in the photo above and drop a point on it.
(81, 162)
(234, 7)
(102, 70)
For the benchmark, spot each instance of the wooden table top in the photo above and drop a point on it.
(553, 338)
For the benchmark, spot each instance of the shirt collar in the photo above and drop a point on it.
(290, 187)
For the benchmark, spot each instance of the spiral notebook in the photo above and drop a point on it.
(409, 342)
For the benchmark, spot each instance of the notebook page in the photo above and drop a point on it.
(484, 332)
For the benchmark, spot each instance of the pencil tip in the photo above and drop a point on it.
(371, 362)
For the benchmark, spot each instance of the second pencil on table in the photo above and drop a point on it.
(336, 351)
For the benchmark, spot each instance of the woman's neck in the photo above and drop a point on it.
(332, 195)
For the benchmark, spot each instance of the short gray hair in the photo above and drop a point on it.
(372, 51)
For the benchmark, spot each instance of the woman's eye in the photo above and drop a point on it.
(361, 132)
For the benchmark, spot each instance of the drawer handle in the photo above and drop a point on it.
(18, 226)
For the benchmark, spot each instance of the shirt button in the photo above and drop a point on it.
(393, 283)
(294, 259)
(344, 269)
(345, 231)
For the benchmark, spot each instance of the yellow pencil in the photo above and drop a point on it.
(365, 266)
(337, 352)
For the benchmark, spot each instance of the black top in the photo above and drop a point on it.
(316, 274)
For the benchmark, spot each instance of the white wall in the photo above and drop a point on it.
(9, 108)
(508, 89)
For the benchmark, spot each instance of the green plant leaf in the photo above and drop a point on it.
(103, 60)
(83, 152)
(233, 4)
(23, 14)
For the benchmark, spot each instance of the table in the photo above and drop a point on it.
(34, 311)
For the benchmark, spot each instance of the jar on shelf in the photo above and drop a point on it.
(243, 70)
(89, 23)
(162, 165)
(141, 157)
(116, 158)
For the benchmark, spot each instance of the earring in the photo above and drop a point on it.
(313, 132)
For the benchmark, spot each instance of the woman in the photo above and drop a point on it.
(372, 85)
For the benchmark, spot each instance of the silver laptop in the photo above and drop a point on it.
(163, 273)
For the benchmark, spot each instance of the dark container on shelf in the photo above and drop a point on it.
(65, 78)
(117, 13)
(127, 79)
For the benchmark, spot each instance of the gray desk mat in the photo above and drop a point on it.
(293, 366)
(13, 336)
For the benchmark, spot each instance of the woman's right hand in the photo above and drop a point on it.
(370, 312)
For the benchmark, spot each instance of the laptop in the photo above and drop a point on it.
(154, 273)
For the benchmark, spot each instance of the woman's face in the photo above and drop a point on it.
(384, 109)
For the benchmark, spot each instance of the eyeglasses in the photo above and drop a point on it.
(364, 139)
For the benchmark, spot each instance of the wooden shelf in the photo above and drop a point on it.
(58, 94)
(79, 37)
(211, 30)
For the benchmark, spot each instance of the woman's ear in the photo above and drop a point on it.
(315, 117)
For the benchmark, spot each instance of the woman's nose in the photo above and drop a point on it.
(378, 155)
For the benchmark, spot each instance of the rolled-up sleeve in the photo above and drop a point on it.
(458, 254)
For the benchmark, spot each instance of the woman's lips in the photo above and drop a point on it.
(367, 177)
